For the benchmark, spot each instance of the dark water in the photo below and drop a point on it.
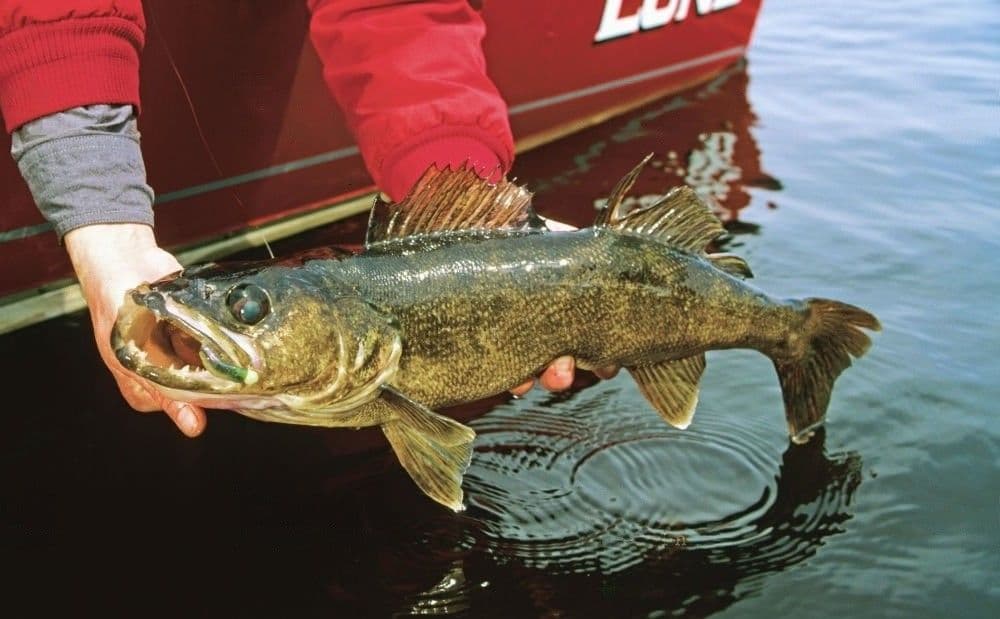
(856, 155)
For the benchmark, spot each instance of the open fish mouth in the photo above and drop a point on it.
(173, 346)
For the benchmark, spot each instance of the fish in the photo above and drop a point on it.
(461, 292)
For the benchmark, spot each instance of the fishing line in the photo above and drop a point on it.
(267, 246)
(194, 116)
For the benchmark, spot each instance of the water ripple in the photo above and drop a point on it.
(589, 497)
(597, 482)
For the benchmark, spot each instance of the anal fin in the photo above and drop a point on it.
(672, 387)
(434, 449)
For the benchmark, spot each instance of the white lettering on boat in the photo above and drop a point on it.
(651, 15)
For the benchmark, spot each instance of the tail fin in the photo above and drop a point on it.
(833, 334)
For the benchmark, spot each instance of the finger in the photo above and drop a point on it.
(188, 418)
(523, 388)
(608, 371)
(559, 375)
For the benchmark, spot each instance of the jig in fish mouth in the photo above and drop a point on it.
(171, 345)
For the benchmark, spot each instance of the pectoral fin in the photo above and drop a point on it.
(434, 449)
(672, 387)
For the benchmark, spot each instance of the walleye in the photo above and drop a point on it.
(461, 293)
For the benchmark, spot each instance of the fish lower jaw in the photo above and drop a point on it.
(260, 407)
(172, 375)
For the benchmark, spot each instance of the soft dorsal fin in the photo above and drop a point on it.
(612, 210)
(679, 218)
(451, 200)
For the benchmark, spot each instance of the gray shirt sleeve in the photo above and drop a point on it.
(84, 167)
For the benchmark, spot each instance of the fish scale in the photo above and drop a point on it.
(599, 295)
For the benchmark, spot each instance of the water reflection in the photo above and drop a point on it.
(701, 137)
(588, 501)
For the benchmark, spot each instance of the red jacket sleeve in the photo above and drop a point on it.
(60, 54)
(411, 80)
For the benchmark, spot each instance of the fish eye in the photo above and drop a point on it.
(248, 303)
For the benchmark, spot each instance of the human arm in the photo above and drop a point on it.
(411, 80)
(68, 89)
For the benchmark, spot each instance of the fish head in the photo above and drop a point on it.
(276, 341)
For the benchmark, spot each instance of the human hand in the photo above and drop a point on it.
(558, 376)
(109, 260)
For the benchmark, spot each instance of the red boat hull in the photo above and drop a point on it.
(238, 134)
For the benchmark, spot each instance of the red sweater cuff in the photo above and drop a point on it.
(402, 171)
(51, 67)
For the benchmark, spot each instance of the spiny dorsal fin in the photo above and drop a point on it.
(450, 200)
(672, 387)
(732, 264)
(612, 210)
